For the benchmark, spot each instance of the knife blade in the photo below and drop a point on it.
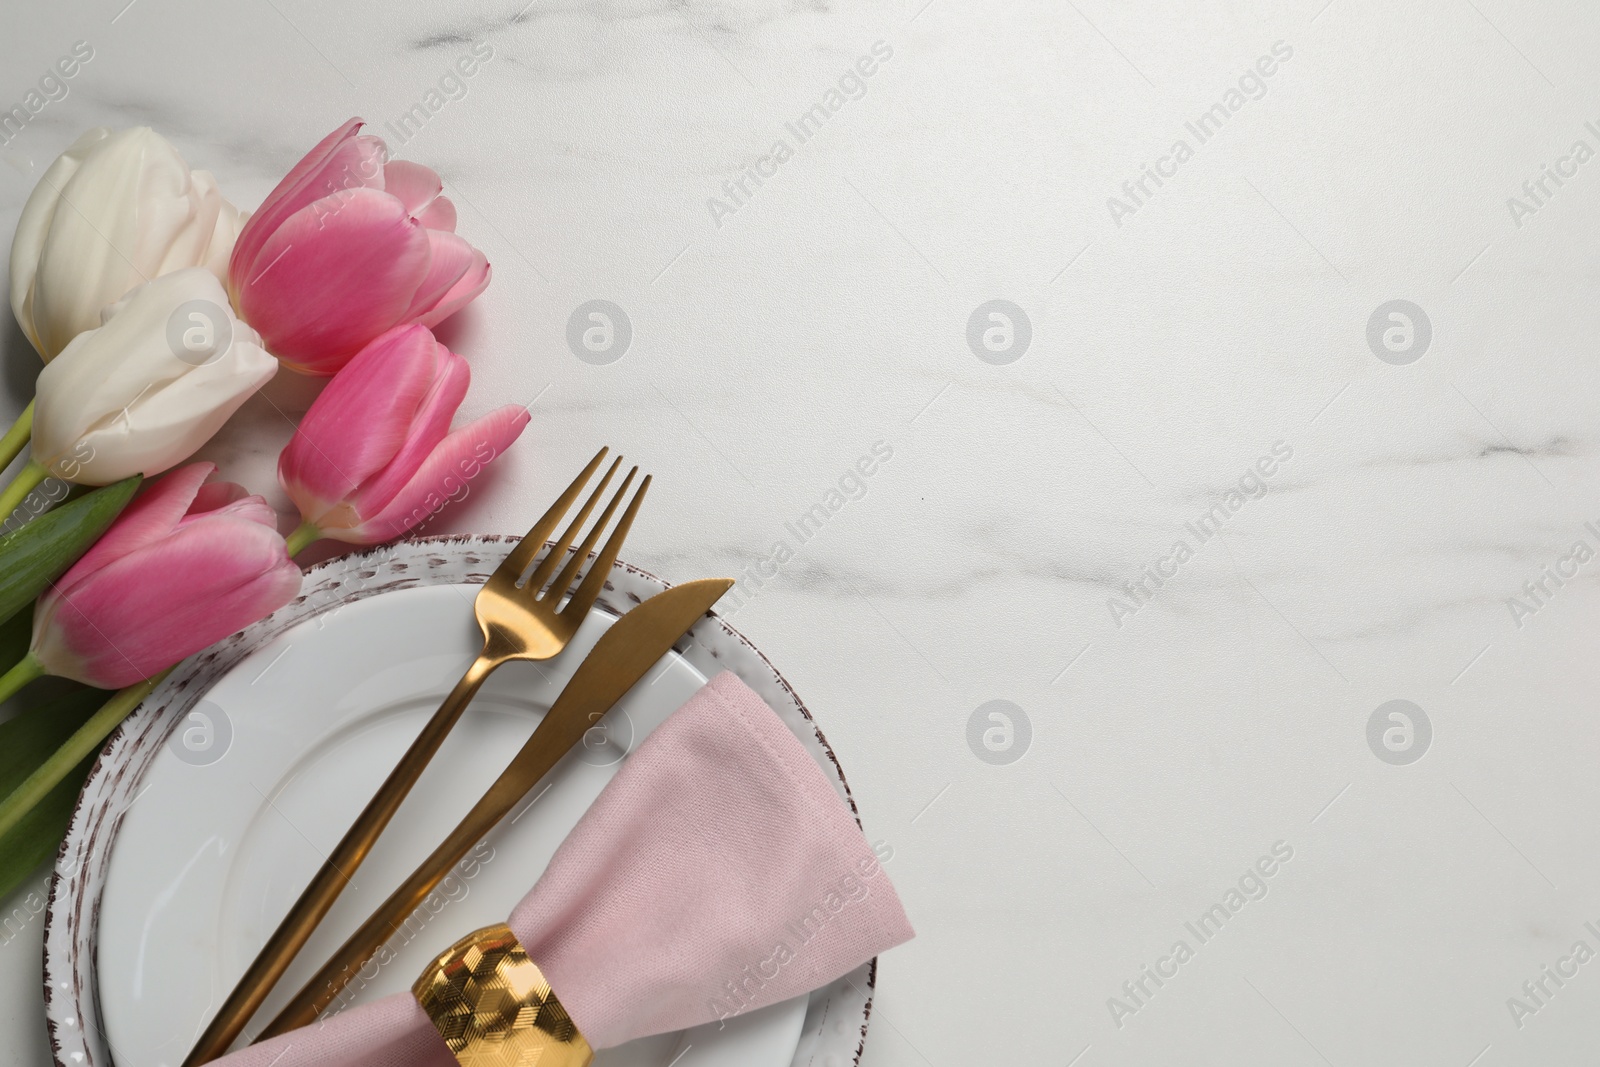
(623, 655)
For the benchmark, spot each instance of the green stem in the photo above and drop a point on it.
(26, 670)
(16, 437)
(81, 744)
(26, 481)
(303, 535)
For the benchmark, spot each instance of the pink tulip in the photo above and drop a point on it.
(349, 244)
(374, 456)
(184, 566)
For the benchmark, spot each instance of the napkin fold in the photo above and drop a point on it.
(717, 873)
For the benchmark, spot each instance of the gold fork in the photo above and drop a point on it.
(517, 623)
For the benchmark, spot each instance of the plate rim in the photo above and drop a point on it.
(72, 1005)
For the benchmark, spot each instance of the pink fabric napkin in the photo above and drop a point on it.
(717, 873)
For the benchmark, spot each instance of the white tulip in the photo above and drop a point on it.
(142, 392)
(113, 211)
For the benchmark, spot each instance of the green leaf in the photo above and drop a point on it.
(28, 739)
(37, 837)
(25, 743)
(16, 634)
(40, 552)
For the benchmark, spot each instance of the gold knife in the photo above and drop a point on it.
(622, 656)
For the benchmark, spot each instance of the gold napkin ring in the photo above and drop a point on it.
(493, 1007)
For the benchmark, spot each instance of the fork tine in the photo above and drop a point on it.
(558, 549)
(539, 533)
(559, 587)
(595, 580)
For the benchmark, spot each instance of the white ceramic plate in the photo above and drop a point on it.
(218, 799)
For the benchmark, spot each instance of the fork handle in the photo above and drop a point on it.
(325, 986)
(335, 873)
(550, 741)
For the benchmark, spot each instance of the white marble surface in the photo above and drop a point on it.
(1226, 313)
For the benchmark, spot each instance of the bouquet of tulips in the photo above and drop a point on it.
(159, 309)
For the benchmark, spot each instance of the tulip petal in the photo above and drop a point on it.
(304, 183)
(429, 426)
(167, 425)
(119, 400)
(440, 215)
(33, 228)
(36, 556)
(333, 280)
(416, 186)
(358, 423)
(183, 219)
(445, 476)
(464, 292)
(215, 495)
(449, 259)
(146, 611)
(230, 220)
(152, 515)
(114, 210)
(129, 205)
(243, 507)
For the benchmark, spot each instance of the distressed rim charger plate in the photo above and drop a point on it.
(213, 804)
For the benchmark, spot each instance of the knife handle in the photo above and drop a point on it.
(336, 871)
